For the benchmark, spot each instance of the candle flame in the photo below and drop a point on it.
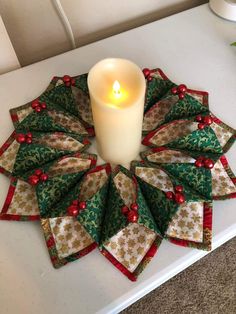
(116, 89)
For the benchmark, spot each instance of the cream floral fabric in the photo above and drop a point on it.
(158, 112)
(67, 121)
(7, 159)
(126, 187)
(69, 165)
(222, 134)
(170, 156)
(156, 177)
(221, 182)
(83, 105)
(187, 223)
(69, 235)
(92, 184)
(24, 201)
(173, 131)
(60, 141)
(23, 113)
(130, 245)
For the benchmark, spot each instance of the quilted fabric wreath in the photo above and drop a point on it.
(125, 213)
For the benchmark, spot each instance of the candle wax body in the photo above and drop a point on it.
(117, 119)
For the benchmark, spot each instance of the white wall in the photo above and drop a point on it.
(37, 33)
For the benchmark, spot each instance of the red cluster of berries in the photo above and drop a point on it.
(24, 138)
(204, 162)
(75, 208)
(147, 73)
(38, 176)
(179, 90)
(178, 196)
(68, 80)
(38, 106)
(131, 213)
(203, 121)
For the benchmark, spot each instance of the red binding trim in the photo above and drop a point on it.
(118, 265)
(107, 167)
(9, 197)
(162, 74)
(8, 143)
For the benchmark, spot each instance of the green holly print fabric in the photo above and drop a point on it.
(185, 108)
(200, 140)
(198, 179)
(81, 83)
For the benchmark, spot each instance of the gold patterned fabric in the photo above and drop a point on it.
(83, 105)
(174, 131)
(69, 235)
(69, 165)
(170, 156)
(157, 113)
(130, 245)
(92, 183)
(126, 188)
(23, 113)
(221, 182)
(7, 159)
(67, 121)
(222, 134)
(156, 177)
(24, 201)
(187, 223)
(60, 141)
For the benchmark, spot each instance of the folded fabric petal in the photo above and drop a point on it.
(171, 107)
(165, 192)
(223, 179)
(74, 226)
(190, 135)
(130, 237)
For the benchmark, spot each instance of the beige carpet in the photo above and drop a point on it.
(207, 287)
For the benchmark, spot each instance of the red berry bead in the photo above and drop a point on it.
(66, 78)
(208, 163)
(124, 210)
(75, 202)
(29, 140)
(43, 105)
(208, 120)
(174, 90)
(33, 180)
(38, 172)
(38, 109)
(170, 195)
(198, 118)
(146, 72)
(29, 134)
(72, 81)
(35, 103)
(82, 205)
(132, 216)
(20, 138)
(73, 211)
(179, 188)
(149, 78)
(134, 206)
(181, 96)
(199, 163)
(182, 88)
(44, 177)
(179, 198)
(201, 126)
(67, 84)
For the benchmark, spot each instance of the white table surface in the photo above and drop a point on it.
(191, 47)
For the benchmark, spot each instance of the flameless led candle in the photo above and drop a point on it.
(117, 91)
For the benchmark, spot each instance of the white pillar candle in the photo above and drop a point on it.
(117, 91)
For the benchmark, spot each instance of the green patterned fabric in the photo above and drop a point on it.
(81, 82)
(51, 192)
(185, 108)
(34, 155)
(198, 179)
(200, 140)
